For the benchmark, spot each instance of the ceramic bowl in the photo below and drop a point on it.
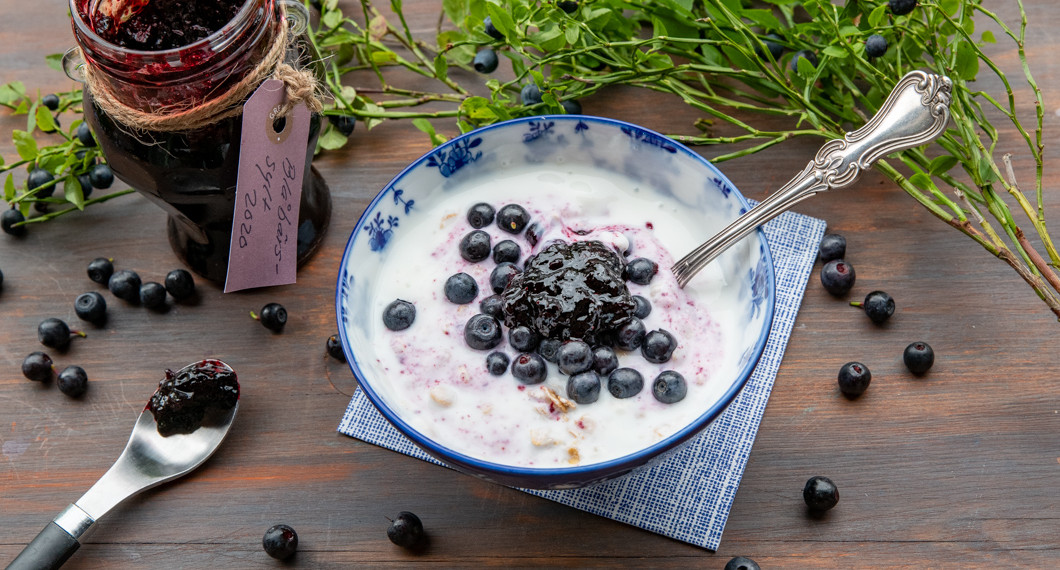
(657, 166)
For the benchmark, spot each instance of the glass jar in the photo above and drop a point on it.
(192, 174)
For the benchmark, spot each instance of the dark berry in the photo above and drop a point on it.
(549, 348)
(182, 399)
(669, 387)
(568, 6)
(406, 530)
(918, 357)
(280, 541)
(584, 387)
(9, 218)
(51, 101)
(820, 494)
(91, 307)
(492, 306)
(54, 333)
(630, 336)
(875, 46)
(837, 276)
(73, 381)
(854, 378)
(39, 177)
(523, 339)
(100, 270)
(84, 134)
(833, 246)
(643, 308)
(658, 346)
(530, 94)
(502, 275)
(529, 368)
(774, 48)
(399, 315)
(506, 250)
(334, 348)
(480, 215)
(101, 176)
(344, 124)
(533, 233)
(84, 183)
(180, 284)
(491, 30)
(485, 61)
(640, 271)
(475, 246)
(574, 356)
(571, 106)
(741, 563)
(879, 306)
(37, 366)
(153, 296)
(804, 54)
(461, 289)
(512, 218)
(482, 332)
(604, 360)
(497, 363)
(125, 285)
(273, 316)
(624, 383)
(901, 7)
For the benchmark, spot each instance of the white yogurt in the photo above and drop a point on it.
(441, 387)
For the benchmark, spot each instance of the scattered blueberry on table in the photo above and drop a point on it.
(854, 379)
(820, 494)
(180, 284)
(273, 316)
(55, 333)
(73, 381)
(741, 563)
(837, 277)
(9, 218)
(918, 357)
(100, 269)
(153, 295)
(125, 285)
(878, 306)
(406, 531)
(280, 541)
(832, 246)
(334, 348)
(37, 366)
(91, 307)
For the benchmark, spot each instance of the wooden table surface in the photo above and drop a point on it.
(958, 469)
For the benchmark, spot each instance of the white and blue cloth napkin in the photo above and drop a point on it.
(688, 495)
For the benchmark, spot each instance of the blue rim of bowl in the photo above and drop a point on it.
(619, 464)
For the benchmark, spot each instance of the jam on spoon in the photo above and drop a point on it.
(184, 397)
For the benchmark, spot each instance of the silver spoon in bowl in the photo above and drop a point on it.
(915, 113)
(149, 459)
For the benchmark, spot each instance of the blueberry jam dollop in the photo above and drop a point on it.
(183, 397)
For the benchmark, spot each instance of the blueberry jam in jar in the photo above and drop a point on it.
(159, 55)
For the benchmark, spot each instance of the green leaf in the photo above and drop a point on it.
(967, 64)
(381, 57)
(25, 144)
(986, 170)
(988, 37)
(331, 19)
(764, 18)
(877, 16)
(455, 10)
(849, 31)
(9, 188)
(572, 33)
(441, 67)
(835, 51)
(805, 68)
(426, 126)
(923, 181)
(950, 6)
(550, 39)
(72, 191)
(54, 61)
(477, 109)
(10, 93)
(332, 139)
(45, 121)
(502, 20)
(943, 164)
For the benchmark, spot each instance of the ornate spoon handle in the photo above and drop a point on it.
(915, 113)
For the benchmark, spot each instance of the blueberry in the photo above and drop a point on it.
(506, 250)
(833, 246)
(741, 563)
(73, 381)
(625, 383)
(39, 177)
(461, 289)
(100, 269)
(530, 94)
(37, 366)
(529, 368)
(879, 306)
(571, 106)
(179, 284)
(604, 360)
(630, 335)
(523, 338)
(406, 530)
(658, 346)
(549, 348)
(84, 134)
(875, 46)
(280, 541)
(584, 387)
(273, 316)
(502, 275)
(669, 387)
(485, 61)
(51, 101)
(568, 6)
(334, 348)
(153, 296)
(84, 182)
(482, 332)
(491, 30)
(807, 54)
(918, 357)
(492, 306)
(399, 315)
(475, 246)
(54, 333)
(820, 494)
(901, 7)
(100, 177)
(125, 285)
(512, 218)
(91, 307)
(837, 276)
(775, 49)
(344, 124)
(533, 233)
(480, 215)
(640, 271)
(574, 356)
(8, 220)
(854, 378)
(643, 307)
(497, 363)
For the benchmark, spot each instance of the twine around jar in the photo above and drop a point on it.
(301, 86)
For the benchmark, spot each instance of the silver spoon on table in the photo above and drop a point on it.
(915, 113)
(149, 459)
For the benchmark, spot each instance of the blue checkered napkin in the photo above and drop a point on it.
(688, 495)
